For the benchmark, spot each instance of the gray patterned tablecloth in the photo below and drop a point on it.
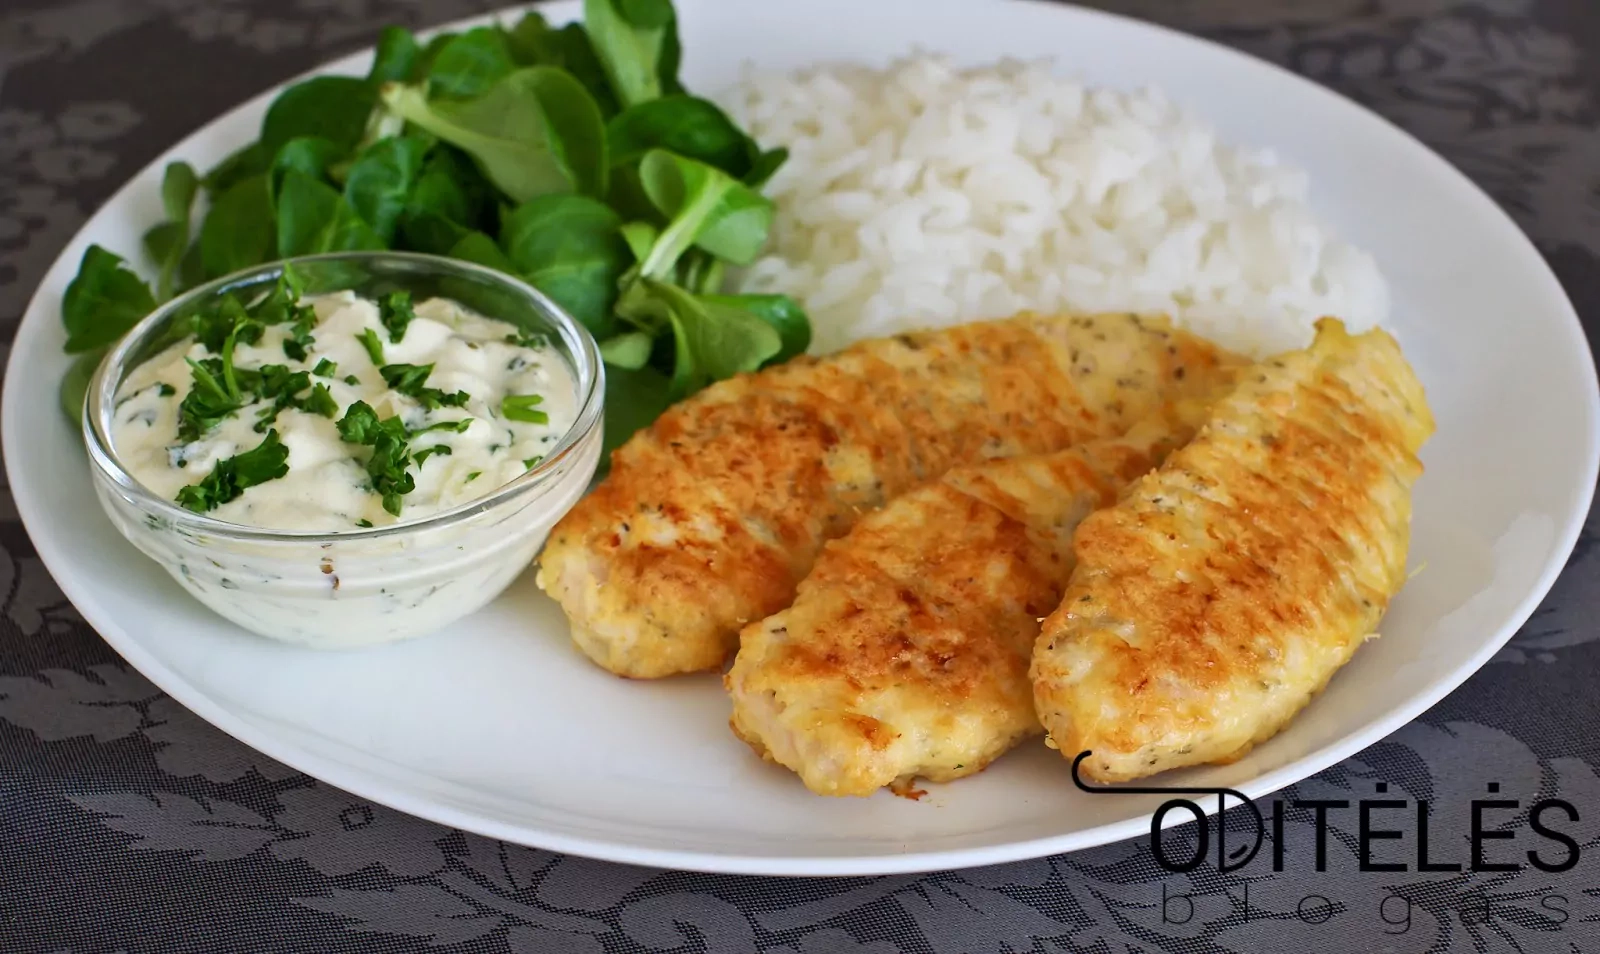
(129, 825)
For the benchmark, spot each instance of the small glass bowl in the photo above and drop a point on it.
(356, 587)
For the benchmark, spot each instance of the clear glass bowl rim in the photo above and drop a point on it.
(99, 405)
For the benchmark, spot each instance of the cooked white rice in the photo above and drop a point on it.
(924, 195)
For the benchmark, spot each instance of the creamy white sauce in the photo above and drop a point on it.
(327, 487)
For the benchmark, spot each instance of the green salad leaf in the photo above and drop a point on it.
(637, 44)
(533, 42)
(571, 248)
(570, 156)
(449, 199)
(630, 350)
(687, 125)
(379, 182)
(765, 166)
(722, 339)
(334, 108)
(783, 313)
(75, 385)
(239, 231)
(395, 56)
(708, 208)
(634, 398)
(313, 217)
(469, 63)
(168, 242)
(479, 248)
(247, 161)
(311, 156)
(103, 301)
(535, 132)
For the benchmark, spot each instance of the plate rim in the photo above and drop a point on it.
(34, 516)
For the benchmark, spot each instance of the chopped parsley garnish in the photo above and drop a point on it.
(521, 407)
(391, 453)
(396, 313)
(320, 401)
(531, 462)
(269, 460)
(460, 427)
(219, 387)
(360, 424)
(276, 383)
(300, 338)
(369, 340)
(230, 377)
(411, 380)
(351, 380)
(165, 390)
(272, 381)
(364, 523)
(209, 399)
(406, 378)
(282, 304)
(443, 450)
(325, 369)
(528, 339)
(473, 476)
(213, 327)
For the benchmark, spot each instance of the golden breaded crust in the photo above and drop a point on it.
(1226, 588)
(906, 652)
(711, 516)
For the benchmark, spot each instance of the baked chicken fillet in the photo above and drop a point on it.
(712, 515)
(906, 652)
(1226, 588)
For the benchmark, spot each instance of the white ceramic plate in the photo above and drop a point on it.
(498, 727)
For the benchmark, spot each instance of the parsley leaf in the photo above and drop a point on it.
(396, 313)
(369, 340)
(325, 369)
(528, 339)
(282, 304)
(521, 407)
(320, 402)
(213, 326)
(269, 460)
(300, 337)
(406, 378)
(276, 380)
(410, 380)
(207, 402)
(364, 523)
(460, 427)
(391, 453)
(276, 383)
(359, 424)
(443, 450)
